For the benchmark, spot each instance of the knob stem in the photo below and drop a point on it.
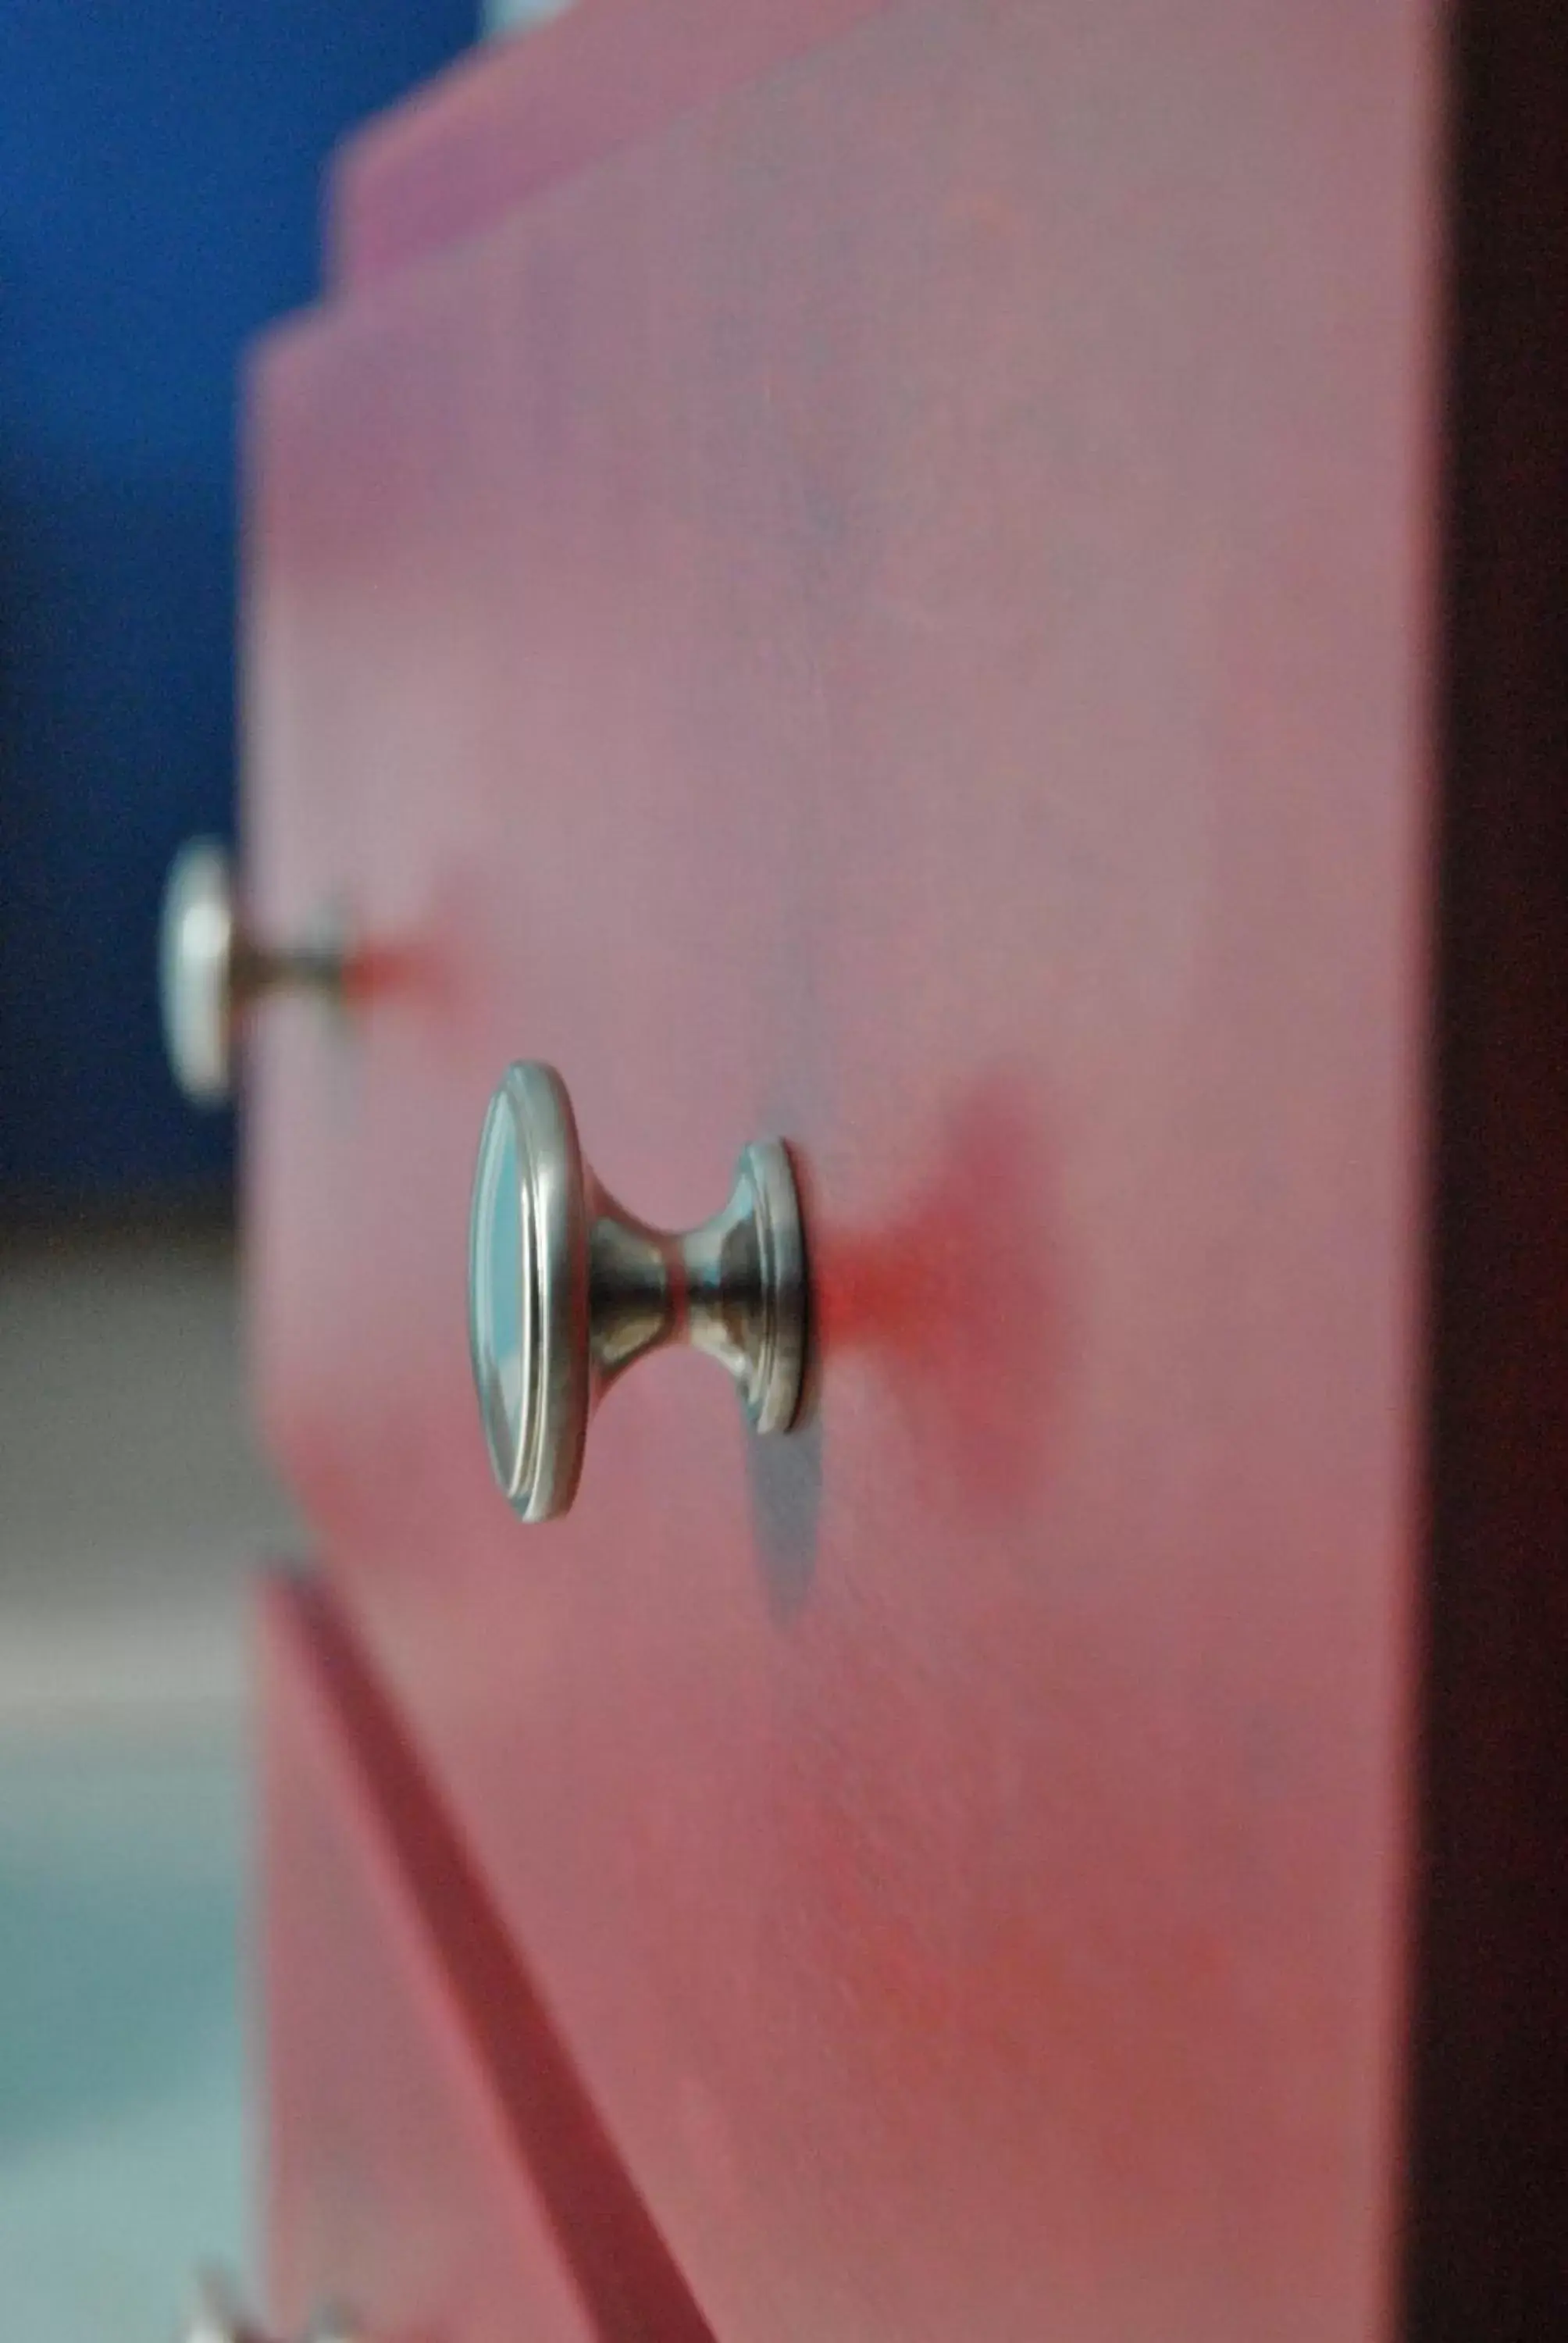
(261, 968)
(733, 1288)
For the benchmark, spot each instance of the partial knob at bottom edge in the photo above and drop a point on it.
(217, 2314)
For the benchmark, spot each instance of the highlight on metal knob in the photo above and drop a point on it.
(211, 969)
(567, 1290)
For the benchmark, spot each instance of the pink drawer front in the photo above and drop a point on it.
(431, 2166)
(891, 608)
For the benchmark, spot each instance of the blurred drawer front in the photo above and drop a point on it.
(432, 2167)
(890, 609)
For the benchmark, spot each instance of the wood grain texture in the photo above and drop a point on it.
(432, 2164)
(896, 613)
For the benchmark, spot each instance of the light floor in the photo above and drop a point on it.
(132, 1511)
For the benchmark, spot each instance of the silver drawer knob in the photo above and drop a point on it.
(566, 1290)
(217, 2316)
(211, 969)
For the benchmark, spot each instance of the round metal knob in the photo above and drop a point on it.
(211, 969)
(566, 1290)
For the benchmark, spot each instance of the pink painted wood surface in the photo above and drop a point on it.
(896, 613)
(508, 120)
(431, 2164)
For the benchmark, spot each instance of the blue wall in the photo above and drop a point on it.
(160, 166)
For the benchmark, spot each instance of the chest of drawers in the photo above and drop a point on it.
(879, 574)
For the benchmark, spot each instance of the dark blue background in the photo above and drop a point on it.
(160, 169)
